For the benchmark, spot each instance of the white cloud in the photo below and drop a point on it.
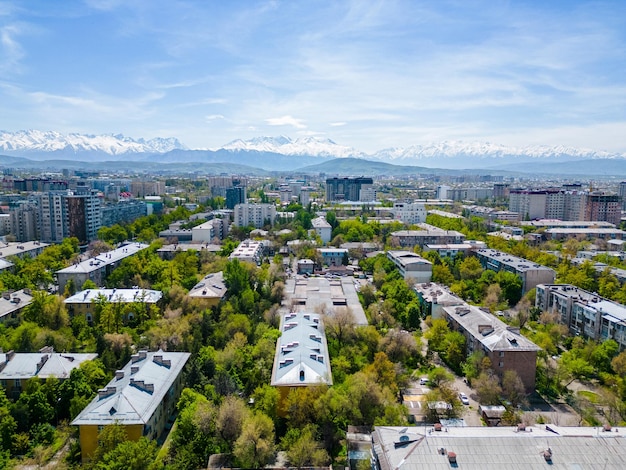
(286, 121)
(338, 124)
(214, 117)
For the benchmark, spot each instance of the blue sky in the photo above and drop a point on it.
(368, 74)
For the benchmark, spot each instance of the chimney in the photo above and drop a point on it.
(119, 374)
(158, 359)
(41, 363)
(106, 392)
(134, 369)
(140, 356)
(141, 385)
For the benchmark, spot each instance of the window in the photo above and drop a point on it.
(501, 353)
(501, 364)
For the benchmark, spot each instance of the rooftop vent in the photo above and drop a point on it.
(158, 359)
(438, 427)
(547, 454)
(106, 392)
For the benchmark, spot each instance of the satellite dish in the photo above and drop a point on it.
(404, 438)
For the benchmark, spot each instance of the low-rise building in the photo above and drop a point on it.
(428, 234)
(496, 448)
(333, 256)
(306, 266)
(322, 228)
(21, 249)
(587, 233)
(409, 213)
(12, 303)
(530, 273)
(412, 266)
(251, 251)
(584, 313)
(450, 250)
(141, 397)
(506, 348)
(210, 290)
(324, 294)
(83, 303)
(17, 368)
(301, 358)
(97, 268)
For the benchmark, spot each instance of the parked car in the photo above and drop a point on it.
(464, 398)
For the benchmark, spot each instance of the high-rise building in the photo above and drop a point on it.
(256, 215)
(601, 206)
(62, 214)
(235, 195)
(622, 194)
(346, 189)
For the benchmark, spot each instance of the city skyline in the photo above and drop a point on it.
(369, 76)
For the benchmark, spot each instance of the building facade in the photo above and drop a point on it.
(531, 274)
(141, 397)
(584, 313)
(255, 215)
(347, 189)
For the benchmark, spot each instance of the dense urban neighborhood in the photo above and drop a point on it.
(170, 321)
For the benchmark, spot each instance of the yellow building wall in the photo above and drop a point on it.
(88, 437)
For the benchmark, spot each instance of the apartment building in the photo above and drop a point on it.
(83, 303)
(530, 273)
(255, 215)
(349, 189)
(409, 213)
(322, 228)
(428, 235)
(97, 268)
(17, 368)
(506, 348)
(141, 397)
(301, 358)
(584, 313)
(412, 266)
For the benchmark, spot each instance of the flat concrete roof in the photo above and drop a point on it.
(315, 293)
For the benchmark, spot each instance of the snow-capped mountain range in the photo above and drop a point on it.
(305, 146)
(284, 153)
(49, 141)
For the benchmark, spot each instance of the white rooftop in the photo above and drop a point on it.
(104, 259)
(498, 448)
(211, 286)
(134, 394)
(301, 352)
(42, 365)
(116, 295)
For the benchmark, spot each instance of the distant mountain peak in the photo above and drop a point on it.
(313, 146)
(32, 141)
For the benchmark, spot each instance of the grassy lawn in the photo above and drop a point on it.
(591, 396)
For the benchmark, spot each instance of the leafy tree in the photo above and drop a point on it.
(513, 388)
(487, 388)
(470, 268)
(131, 455)
(255, 445)
(303, 450)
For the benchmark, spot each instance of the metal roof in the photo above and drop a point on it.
(497, 448)
(104, 259)
(115, 295)
(301, 352)
(211, 286)
(137, 390)
(42, 365)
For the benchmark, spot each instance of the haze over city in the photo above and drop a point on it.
(368, 75)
